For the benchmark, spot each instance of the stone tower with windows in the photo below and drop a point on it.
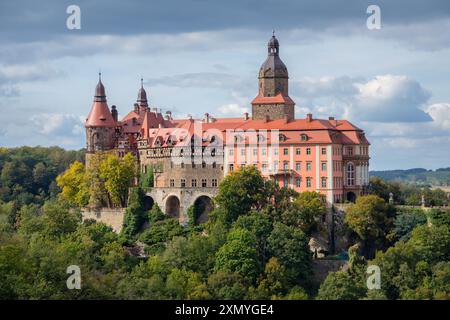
(273, 101)
(100, 124)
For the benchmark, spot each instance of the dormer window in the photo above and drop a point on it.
(282, 137)
(303, 137)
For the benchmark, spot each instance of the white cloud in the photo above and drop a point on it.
(232, 110)
(58, 124)
(384, 98)
(440, 112)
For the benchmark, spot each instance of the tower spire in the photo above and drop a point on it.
(142, 96)
(100, 89)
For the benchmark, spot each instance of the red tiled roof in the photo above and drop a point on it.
(279, 98)
(100, 116)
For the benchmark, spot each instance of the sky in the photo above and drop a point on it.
(199, 56)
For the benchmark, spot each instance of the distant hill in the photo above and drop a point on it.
(419, 176)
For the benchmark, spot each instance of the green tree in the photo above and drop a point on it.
(59, 218)
(241, 191)
(135, 215)
(342, 285)
(307, 210)
(225, 285)
(273, 284)
(290, 246)
(369, 218)
(147, 178)
(406, 220)
(260, 226)
(239, 255)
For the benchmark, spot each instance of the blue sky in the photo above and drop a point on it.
(200, 56)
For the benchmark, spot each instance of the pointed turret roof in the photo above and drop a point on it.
(100, 115)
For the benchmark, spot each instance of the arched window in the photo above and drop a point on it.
(303, 137)
(350, 174)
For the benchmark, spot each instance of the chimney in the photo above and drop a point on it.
(136, 107)
(114, 113)
(286, 118)
(155, 110)
(266, 118)
(309, 117)
(206, 119)
(245, 115)
(168, 115)
(330, 118)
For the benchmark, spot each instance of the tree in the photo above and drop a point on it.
(342, 285)
(118, 174)
(369, 218)
(260, 226)
(159, 233)
(273, 284)
(59, 218)
(408, 266)
(239, 255)
(307, 209)
(185, 284)
(383, 189)
(147, 178)
(226, 286)
(240, 192)
(290, 246)
(135, 215)
(406, 221)
(73, 185)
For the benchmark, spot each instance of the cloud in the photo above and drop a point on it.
(26, 72)
(198, 80)
(385, 98)
(58, 124)
(232, 110)
(11, 75)
(440, 112)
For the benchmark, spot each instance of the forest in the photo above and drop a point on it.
(253, 246)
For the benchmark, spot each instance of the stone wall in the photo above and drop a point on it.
(185, 196)
(111, 217)
(322, 267)
(273, 111)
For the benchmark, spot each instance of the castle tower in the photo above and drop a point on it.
(273, 101)
(100, 124)
(142, 98)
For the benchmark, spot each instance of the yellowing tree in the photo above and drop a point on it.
(73, 185)
(118, 176)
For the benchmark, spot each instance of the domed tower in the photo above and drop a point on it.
(100, 124)
(273, 101)
(142, 98)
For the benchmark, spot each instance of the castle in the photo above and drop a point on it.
(190, 157)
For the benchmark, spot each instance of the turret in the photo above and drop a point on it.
(101, 123)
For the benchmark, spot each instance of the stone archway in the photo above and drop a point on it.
(351, 196)
(203, 205)
(148, 202)
(173, 206)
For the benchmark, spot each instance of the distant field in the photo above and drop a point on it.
(446, 189)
